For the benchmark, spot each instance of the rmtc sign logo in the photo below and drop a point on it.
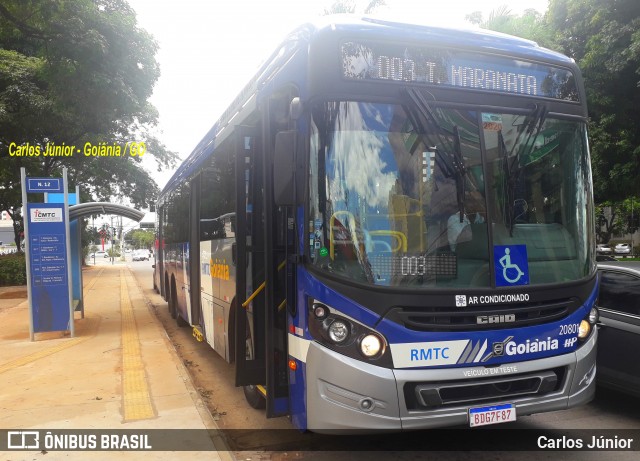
(46, 215)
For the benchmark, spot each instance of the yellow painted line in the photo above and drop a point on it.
(136, 398)
(90, 327)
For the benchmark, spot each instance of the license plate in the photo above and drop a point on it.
(492, 415)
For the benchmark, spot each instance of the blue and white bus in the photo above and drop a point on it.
(391, 228)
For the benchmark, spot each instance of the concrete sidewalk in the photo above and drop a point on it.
(119, 372)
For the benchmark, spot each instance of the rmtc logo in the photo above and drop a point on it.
(433, 353)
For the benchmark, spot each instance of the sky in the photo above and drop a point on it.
(209, 49)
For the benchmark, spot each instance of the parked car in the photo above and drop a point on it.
(604, 258)
(603, 249)
(140, 255)
(619, 334)
(622, 249)
(99, 254)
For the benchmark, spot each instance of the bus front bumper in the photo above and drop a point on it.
(345, 394)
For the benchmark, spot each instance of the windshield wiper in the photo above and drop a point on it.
(456, 169)
(460, 171)
(511, 178)
(533, 124)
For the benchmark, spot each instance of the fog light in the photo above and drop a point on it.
(584, 329)
(338, 331)
(366, 404)
(594, 316)
(320, 311)
(370, 346)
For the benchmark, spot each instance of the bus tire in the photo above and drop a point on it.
(165, 295)
(180, 321)
(254, 397)
(173, 297)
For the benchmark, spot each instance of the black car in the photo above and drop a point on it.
(618, 366)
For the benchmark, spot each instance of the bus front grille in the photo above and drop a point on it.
(494, 317)
(424, 396)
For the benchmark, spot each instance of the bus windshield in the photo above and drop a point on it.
(419, 196)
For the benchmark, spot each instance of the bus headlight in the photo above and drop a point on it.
(338, 331)
(587, 325)
(347, 336)
(584, 329)
(371, 345)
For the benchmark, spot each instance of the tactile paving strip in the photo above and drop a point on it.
(136, 397)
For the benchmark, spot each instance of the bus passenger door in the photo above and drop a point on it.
(264, 234)
(249, 331)
(194, 252)
(280, 257)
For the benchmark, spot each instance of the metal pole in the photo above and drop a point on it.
(27, 251)
(112, 240)
(80, 255)
(65, 187)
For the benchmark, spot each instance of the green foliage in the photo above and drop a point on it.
(74, 72)
(88, 235)
(615, 218)
(603, 36)
(140, 238)
(13, 270)
(353, 6)
(529, 25)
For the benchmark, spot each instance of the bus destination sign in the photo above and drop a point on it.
(445, 67)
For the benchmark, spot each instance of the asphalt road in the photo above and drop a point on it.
(256, 438)
(6, 235)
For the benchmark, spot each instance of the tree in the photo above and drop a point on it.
(140, 238)
(351, 7)
(89, 235)
(602, 36)
(77, 73)
(614, 218)
(530, 25)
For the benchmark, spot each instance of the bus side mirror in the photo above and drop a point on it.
(284, 167)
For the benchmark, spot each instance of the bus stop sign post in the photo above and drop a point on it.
(47, 249)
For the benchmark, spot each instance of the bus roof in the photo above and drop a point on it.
(471, 37)
(477, 39)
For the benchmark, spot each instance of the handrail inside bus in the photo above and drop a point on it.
(260, 288)
(401, 239)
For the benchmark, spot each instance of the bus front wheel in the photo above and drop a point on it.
(254, 397)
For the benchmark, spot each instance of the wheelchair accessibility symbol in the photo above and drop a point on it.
(511, 265)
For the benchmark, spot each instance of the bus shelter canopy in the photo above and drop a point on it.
(92, 208)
